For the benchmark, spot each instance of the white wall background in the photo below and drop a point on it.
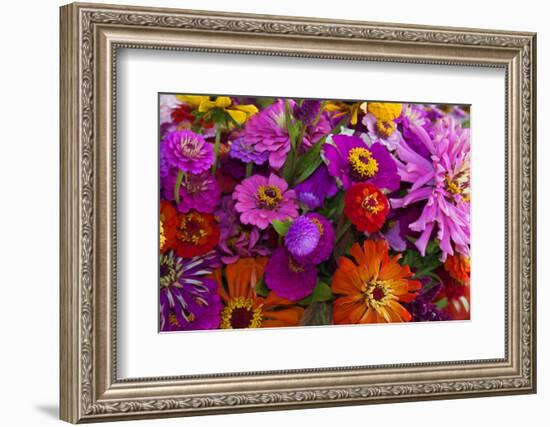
(29, 170)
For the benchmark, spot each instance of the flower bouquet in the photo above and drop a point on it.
(296, 212)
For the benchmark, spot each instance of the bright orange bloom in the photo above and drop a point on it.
(372, 286)
(169, 221)
(243, 308)
(458, 267)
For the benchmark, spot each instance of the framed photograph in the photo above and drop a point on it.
(267, 212)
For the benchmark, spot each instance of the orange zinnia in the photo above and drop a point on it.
(243, 308)
(169, 221)
(458, 267)
(373, 286)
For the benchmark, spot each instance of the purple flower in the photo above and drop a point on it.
(423, 309)
(414, 115)
(267, 132)
(314, 132)
(240, 150)
(313, 191)
(287, 278)
(302, 237)
(350, 159)
(308, 112)
(187, 151)
(188, 297)
(325, 245)
(260, 200)
(236, 240)
(442, 182)
(389, 137)
(199, 192)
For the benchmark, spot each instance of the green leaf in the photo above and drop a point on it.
(216, 147)
(321, 292)
(177, 185)
(281, 227)
(442, 303)
(423, 266)
(291, 128)
(312, 167)
(317, 314)
(261, 288)
(309, 162)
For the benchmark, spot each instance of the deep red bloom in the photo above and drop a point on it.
(366, 206)
(197, 234)
(182, 112)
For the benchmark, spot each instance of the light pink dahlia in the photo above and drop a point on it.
(443, 181)
(260, 200)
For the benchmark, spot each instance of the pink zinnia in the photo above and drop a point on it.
(267, 132)
(443, 181)
(260, 200)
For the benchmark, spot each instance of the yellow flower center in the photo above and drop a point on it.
(191, 228)
(458, 185)
(371, 204)
(162, 236)
(384, 128)
(385, 113)
(240, 313)
(377, 293)
(362, 162)
(269, 196)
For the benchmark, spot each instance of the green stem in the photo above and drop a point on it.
(216, 147)
(179, 179)
(343, 227)
(249, 167)
(319, 114)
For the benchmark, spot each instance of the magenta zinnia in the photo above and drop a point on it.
(260, 200)
(442, 181)
(185, 150)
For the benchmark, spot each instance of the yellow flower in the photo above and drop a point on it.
(239, 113)
(385, 114)
(343, 108)
(384, 111)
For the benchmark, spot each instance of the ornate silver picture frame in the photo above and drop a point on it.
(91, 35)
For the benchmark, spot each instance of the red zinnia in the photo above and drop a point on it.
(366, 207)
(197, 234)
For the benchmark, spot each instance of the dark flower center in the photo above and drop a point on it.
(164, 270)
(294, 267)
(371, 204)
(269, 196)
(241, 317)
(193, 185)
(378, 293)
(191, 228)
